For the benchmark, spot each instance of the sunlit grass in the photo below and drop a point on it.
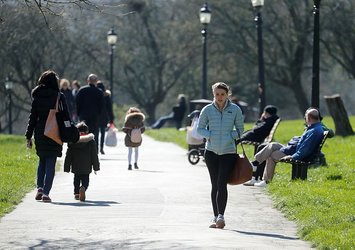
(17, 171)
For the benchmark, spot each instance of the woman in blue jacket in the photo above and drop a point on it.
(220, 123)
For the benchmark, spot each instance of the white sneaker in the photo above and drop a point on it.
(220, 223)
(250, 182)
(260, 184)
(213, 222)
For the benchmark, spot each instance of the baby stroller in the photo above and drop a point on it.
(196, 144)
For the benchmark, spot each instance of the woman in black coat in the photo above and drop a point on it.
(44, 98)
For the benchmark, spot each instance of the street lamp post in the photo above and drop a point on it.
(111, 40)
(315, 66)
(205, 18)
(9, 85)
(258, 4)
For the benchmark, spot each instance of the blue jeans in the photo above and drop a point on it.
(45, 173)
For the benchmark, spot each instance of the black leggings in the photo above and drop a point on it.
(220, 168)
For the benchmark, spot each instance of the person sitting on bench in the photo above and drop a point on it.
(303, 149)
(262, 126)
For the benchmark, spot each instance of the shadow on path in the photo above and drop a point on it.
(86, 203)
(279, 236)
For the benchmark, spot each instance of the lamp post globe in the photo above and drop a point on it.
(111, 40)
(205, 19)
(9, 86)
(258, 4)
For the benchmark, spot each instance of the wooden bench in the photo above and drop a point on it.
(268, 139)
(300, 168)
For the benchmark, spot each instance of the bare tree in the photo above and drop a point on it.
(339, 33)
(154, 54)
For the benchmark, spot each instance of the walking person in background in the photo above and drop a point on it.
(44, 96)
(134, 120)
(75, 86)
(217, 124)
(81, 158)
(64, 88)
(89, 102)
(106, 115)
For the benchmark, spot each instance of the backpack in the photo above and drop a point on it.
(136, 135)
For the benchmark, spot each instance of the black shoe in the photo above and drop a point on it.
(39, 194)
(136, 166)
(102, 151)
(129, 167)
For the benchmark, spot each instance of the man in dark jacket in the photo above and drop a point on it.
(89, 101)
(262, 127)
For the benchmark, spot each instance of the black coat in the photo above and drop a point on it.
(106, 115)
(260, 130)
(70, 100)
(81, 157)
(44, 99)
(89, 101)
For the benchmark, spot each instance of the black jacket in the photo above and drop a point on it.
(106, 115)
(89, 101)
(81, 157)
(260, 130)
(44, 99)
(70, 100)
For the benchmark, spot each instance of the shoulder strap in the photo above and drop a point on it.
(241, 144)
(57, 102)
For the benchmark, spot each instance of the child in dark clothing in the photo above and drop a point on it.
(81, 158)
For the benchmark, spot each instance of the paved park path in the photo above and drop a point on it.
(163, 205)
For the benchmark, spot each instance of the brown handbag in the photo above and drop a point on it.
(242, 170)
(51, 129)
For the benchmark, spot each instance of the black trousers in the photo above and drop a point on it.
(102, 136)
(258, 174)
(93, 128)
(219, 168)
(80, 180)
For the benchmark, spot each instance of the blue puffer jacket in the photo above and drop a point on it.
(219, 127)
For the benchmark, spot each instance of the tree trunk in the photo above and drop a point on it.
(337, 111)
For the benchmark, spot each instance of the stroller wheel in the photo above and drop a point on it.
(193, 156)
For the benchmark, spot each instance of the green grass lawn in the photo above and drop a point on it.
(17, 171)
(323, 207)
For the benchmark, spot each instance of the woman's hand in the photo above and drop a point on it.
(29, 143)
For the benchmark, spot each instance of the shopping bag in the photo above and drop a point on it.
(67, 129)
(194, 125)
(111, 137)
(51, 129)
